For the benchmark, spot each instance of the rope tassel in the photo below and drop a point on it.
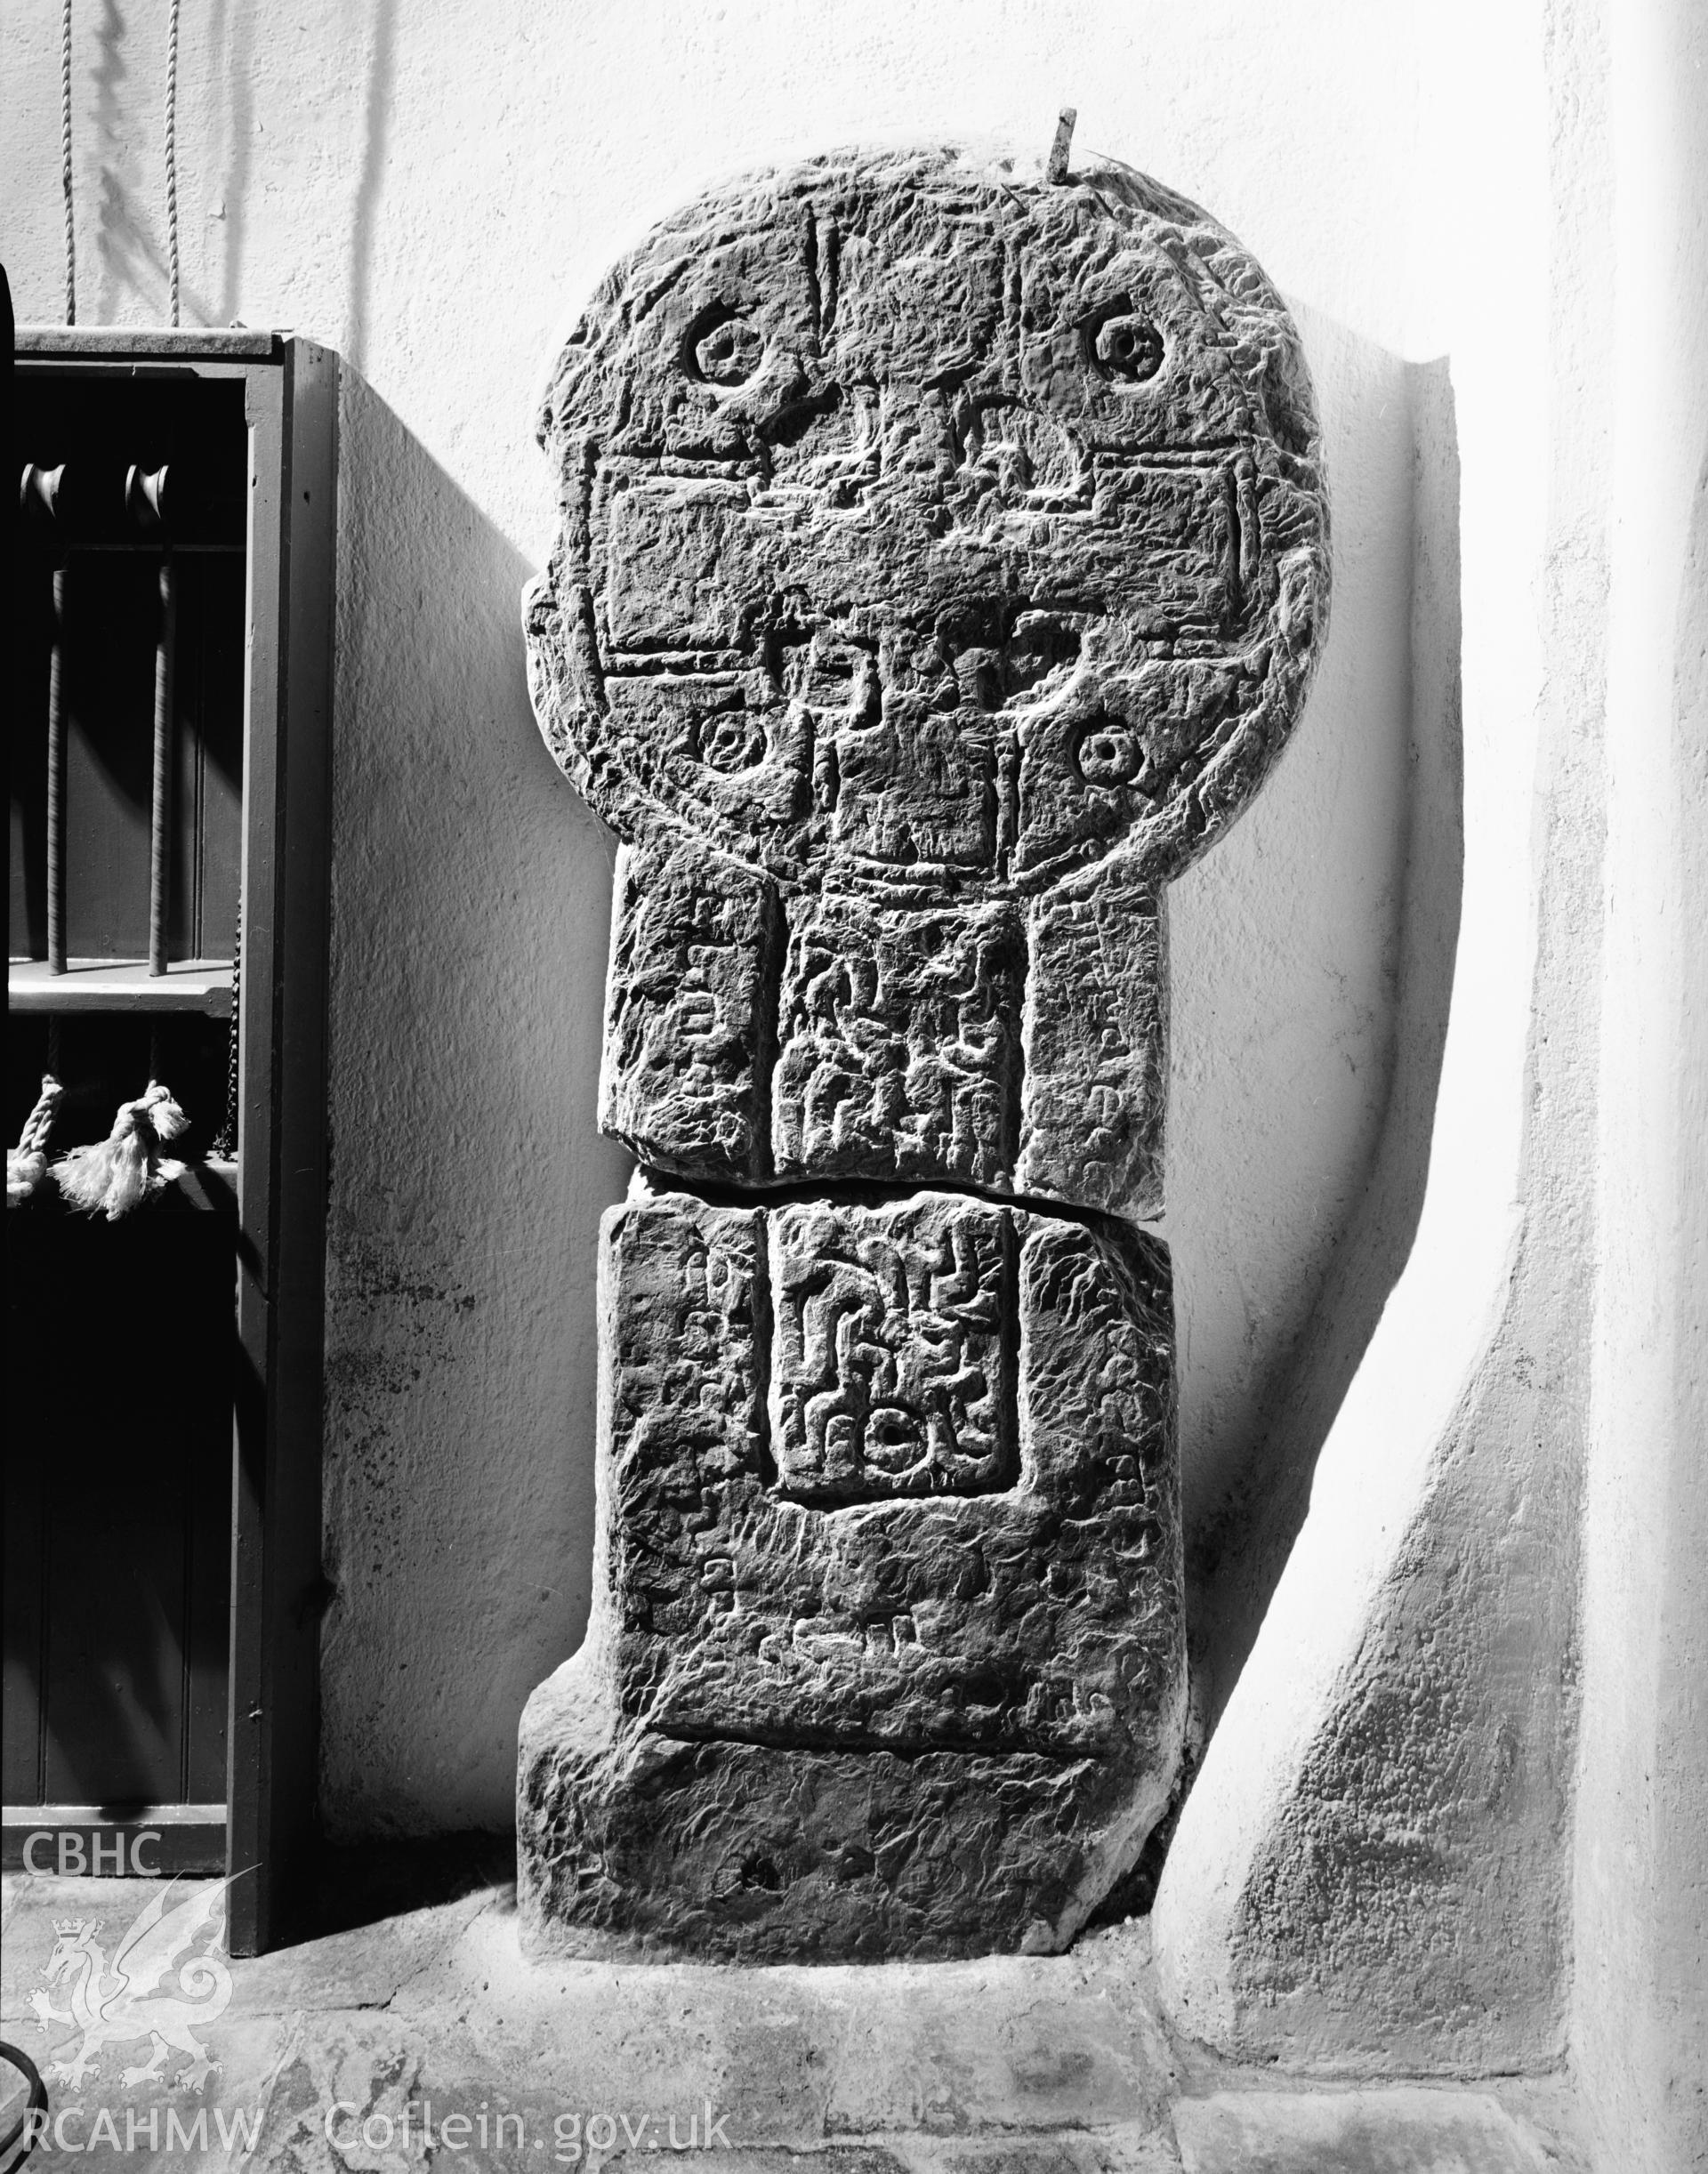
(127, 1167)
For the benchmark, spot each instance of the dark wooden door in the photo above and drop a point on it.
(118, 1507)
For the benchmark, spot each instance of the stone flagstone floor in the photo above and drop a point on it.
(407, 2037)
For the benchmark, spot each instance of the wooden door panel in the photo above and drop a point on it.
(118, 1458)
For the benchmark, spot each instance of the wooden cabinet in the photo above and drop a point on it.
(169, 702)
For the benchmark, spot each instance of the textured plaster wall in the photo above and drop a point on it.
(1392, 1774)
(1639, 2020)
(433, 189)
(1469, 1732)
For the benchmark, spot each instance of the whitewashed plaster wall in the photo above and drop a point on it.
(1408, 1699)
(1639, 2019)
(1376, 1866)
(1470, 1730)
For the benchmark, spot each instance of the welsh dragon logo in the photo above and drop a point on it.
(155, 1988)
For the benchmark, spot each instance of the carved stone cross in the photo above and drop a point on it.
(943, 560)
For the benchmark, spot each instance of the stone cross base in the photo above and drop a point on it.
(887, 1654)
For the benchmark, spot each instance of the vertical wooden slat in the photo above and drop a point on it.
(56, 674)
(277, 1583)
(300, 1090)
(160, 806)
(249, 1825)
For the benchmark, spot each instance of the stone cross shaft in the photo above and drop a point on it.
(943, 559)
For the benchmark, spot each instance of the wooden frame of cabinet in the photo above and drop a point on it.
(278, 1591)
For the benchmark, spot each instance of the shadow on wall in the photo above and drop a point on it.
(376, 121)
(470, 902)
(1311, 965)
(231, 51)
(131, 246)
(131, 253)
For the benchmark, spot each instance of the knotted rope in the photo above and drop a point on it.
(171, 148)
(65, 168)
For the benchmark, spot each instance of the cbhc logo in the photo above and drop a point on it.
(102, 1857)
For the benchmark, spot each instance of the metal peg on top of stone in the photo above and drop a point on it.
(1055, 170)
(943, 563)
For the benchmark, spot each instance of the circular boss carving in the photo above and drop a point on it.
(728, 351)
(1127, 347)
(1108, 752)
(730, 741)
(895, 1438)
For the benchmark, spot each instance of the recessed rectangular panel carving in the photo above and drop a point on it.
(1096, 1053)
(686, 565)
(1169, 542)
(891, 1358)
(898, 1050)
(922, 793)
(687, 1009)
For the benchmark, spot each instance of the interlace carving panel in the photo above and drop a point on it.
(943, 563)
